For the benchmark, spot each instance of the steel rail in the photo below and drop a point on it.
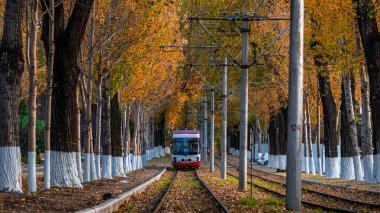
(356, 202)
(315, 205)
(225, 209)
(159, 205)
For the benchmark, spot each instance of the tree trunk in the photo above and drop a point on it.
(319, 139)
(330, 124)
(98, 125)
(68, 39)
(127, 138)
(350, 163)
(11, 69)
(106, 130)
(273, 143)
(371, 44)
(309, 142)
(117, 152)
(49, 43)
(32, 183)
(282, 137)
(90, 172)
(258, 136)
(277, 141)
(305, 143)
(136, 134)
(366, 129)
(79, 147)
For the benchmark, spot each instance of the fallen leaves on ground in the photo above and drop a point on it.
(70, 199)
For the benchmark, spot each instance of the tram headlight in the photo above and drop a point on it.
(175, 159)
(197, 159)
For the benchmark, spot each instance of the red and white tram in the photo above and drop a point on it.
(185, 148)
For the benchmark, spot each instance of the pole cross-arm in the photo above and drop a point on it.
(203, 78)
(218, 42)
(270, 45)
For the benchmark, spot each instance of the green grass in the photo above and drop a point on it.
(270, 202)
(273, 201)
(248, 201)
(232, 179)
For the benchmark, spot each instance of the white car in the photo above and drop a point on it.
(263, 160)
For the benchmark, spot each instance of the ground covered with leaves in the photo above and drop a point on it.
(70, 200)
(147, 200)
(355, 194)
(188, 195)
(241, 201)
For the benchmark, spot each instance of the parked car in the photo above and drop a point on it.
(263, 160)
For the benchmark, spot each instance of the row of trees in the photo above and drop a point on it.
(341, 89)
(94, 54)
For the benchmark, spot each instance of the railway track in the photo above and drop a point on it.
(189, 185)
(341, 204)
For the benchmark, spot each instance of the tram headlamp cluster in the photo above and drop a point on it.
(175, 159)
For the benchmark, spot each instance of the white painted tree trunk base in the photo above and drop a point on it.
(133, 162)
(97, 166)
(368, 168)
(117, 167)
(358, 168)
(162, 151)
(64, 171)
(332, 167)
(10, 169)
(273, 161)
(125, 164)
(157, 152)
(376, 168)
(282, 162)
(93, 175)
(47, 169)
(167, 150)
(32, 182)
(307, 170)
(145, 160)
(139, 161)
(312, 165)
(347, 168)
(232, 150)
(106, 166)
(320, 173)
(86, 167)
(79, 165)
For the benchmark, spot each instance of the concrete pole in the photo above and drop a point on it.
(223, 171)
(212, 131)
(293, 170)
(244, 106)
(205, 138)
(199, 117)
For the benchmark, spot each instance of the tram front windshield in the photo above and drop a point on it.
(185, 146)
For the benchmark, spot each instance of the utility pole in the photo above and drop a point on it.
(205, 139)
(200, 127)
(244, 105)
(212, 131)
(245, 19)
(293, 170)
(223, 171)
